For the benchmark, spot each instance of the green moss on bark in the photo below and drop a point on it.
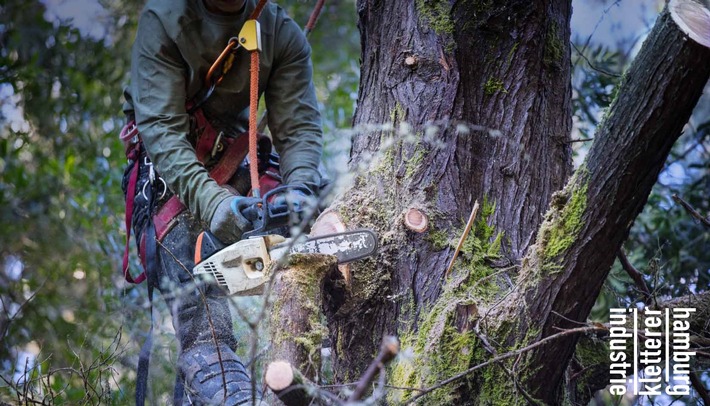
(562, 233)
(554, 47)
(437, 15)
(560, 229)
(494, 85)
(438, 239)
(444, 345)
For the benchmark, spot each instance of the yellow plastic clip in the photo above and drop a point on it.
(250, 36)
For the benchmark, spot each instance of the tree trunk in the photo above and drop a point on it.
(471, 101)
(474, 85)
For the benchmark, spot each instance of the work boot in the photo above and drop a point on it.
(205, 377)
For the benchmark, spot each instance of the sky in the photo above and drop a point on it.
(614, 22)
(608, 22)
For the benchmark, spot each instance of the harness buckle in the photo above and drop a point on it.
(217, 145)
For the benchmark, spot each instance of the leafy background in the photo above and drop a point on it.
(67, 317)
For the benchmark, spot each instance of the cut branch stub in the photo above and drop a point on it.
(416, 220)
(288, 384)
(330, 222)
(693, 19)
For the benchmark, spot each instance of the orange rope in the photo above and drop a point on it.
(253, 107)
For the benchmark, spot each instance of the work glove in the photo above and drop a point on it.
(228, 224)
(300, 201)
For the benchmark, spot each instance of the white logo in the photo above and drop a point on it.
(652, 349)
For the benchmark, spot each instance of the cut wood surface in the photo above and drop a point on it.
(289, 385)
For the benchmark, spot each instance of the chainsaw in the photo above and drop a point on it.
(243, 268)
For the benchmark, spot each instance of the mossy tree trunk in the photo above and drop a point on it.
(494, 77)
(478, 97)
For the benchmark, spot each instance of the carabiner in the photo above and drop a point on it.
(162, 193)
(232, 45)
(151, 170)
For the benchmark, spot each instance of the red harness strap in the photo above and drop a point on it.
(134, 155)
(165, 219)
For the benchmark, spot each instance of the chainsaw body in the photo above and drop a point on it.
(244, 267)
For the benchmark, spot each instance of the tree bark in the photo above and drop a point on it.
(473, 103)
(297, 327)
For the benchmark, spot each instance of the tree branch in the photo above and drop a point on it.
(691, 210)
(388, 350)
(635, 275)
(589, 220)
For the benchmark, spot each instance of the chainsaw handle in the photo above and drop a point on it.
(248, 207)
(270, 196)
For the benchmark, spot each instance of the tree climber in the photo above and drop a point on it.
(183, 134)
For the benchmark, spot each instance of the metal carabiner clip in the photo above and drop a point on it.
(232, 45)
(152, 178)
(162, 193)
(151, 170)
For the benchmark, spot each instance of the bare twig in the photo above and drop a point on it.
(580, 140)
(466, 231)
(635, 275)
(591, 65)
(388, 350)
(691, 210)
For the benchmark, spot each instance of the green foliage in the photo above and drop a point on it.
(596, 78)
(336, 46)
(61, 205)
(60, 199)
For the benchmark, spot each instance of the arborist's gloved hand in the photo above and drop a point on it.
(228, 224)
(299, 200)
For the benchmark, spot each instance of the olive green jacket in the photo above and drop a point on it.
(176, 43)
